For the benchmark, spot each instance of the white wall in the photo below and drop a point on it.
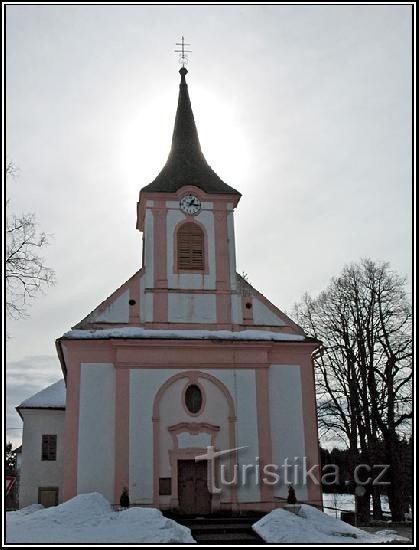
(116, 312)
(96, 448)
(236, 304)
(146, 301)
(236, 309)
(262, 315)
(192, 308)
(287, 426)
(144, 384)
(186, 439)
(34, 471)
(149, 248)
(147, 278)
(231, 248)
(241, 384)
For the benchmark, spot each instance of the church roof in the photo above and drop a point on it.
(186, 164)
(51, 397)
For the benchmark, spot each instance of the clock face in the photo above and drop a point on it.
(190, 204)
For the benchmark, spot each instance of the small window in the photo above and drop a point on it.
(48, 496)
(190, 247)
(165, 486)
(49, 447)
(193, 399)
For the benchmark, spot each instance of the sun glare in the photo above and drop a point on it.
(223, 141)
(146, 137)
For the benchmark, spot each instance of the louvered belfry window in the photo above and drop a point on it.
(190, 247)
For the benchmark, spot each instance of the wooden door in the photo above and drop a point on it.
(194, 497)
(48, 496)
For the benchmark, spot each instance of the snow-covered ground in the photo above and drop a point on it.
(313, 526)
(344, 501)
(89, 518)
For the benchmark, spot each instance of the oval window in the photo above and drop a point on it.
(193, 399)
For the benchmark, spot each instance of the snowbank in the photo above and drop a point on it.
(89, 518)
(313, 526)
(25, 511)
(135, 332)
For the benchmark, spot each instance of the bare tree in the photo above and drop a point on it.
(363, 375)
(25, 273)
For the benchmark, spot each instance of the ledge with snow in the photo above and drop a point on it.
(135, 332)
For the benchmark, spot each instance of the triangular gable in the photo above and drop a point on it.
(115, 308)
(265, 313)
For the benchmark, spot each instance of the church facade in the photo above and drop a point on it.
(186, 359)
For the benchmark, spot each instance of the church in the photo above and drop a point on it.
(186, 385)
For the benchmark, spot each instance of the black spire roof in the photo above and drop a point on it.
(186, 164)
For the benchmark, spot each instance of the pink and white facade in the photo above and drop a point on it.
(128, 365)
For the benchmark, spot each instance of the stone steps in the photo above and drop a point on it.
(222, 530)
(228, 538)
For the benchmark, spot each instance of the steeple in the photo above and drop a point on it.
(186, 164)
(185, 141)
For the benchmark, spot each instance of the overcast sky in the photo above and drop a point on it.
(306, 110)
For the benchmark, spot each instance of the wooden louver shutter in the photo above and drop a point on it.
(190, 247)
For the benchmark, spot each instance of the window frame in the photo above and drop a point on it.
(54, 490)
(194, 382)
(49, 447)
(165, 486)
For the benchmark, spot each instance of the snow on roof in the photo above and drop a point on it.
(51, 397)
(135, 332)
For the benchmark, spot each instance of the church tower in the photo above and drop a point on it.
(186, 215)
(188, 278)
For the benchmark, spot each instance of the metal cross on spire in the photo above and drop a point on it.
(183, 59)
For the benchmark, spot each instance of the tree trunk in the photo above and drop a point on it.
(396, 490)
(377, 511)
(363, 507)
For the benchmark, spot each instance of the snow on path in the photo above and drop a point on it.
(313, 526)
(89, 518)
